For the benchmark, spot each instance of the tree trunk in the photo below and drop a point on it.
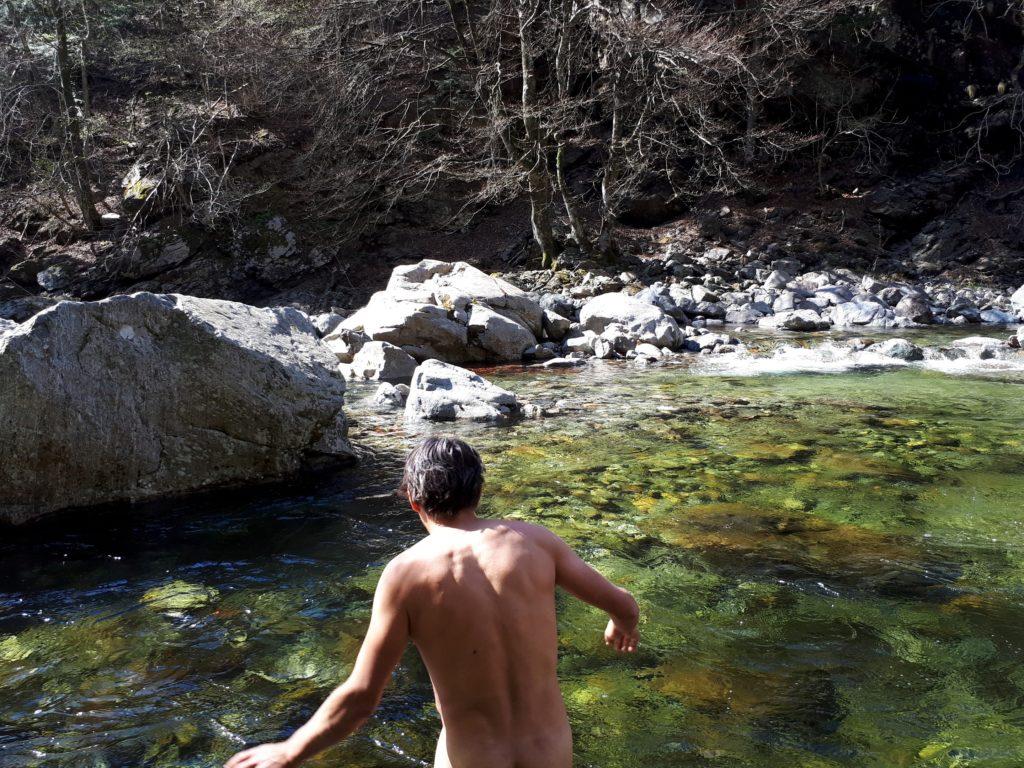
(579, 229)
(563, 63)
(83, 57)
(606, 239)
(82, 177)
(749, 148)
(538, 175)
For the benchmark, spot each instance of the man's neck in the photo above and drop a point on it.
(466, 520)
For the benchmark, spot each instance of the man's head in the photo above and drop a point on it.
(443, 476)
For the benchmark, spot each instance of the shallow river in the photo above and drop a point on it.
(830, 567)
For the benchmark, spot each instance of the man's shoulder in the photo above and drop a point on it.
(535, 533)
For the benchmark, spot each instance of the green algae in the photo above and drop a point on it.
(831, 572)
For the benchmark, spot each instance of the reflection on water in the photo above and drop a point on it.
(831, 570)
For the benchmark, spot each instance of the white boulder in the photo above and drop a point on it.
(496, 336)
(444, 392)
(644, 322)
(428, 307)
(381, 361)
(422, 330)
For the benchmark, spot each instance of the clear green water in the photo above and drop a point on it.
(831, 570)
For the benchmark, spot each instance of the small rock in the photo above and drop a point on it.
(901, 349)
(564, 362)
(603, 348)
(649, 351)
(777, 280)
(327, 322)
(390, 396)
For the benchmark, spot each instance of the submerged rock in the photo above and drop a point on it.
(142, 396)
(444, 392)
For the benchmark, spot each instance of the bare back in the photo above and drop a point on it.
(481, 607)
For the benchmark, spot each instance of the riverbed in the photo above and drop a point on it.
(828, 553)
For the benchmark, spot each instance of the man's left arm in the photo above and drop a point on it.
(352, 703)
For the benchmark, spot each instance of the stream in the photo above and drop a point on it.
(828, 553)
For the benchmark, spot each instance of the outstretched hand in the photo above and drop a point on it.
(621, 639)
(264, 756)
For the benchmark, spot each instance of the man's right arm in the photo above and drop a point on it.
(585, 582)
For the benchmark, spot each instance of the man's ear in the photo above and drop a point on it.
(417, 508)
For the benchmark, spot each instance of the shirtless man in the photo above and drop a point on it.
(477, 597)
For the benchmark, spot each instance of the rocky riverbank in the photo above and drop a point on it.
(456, 313)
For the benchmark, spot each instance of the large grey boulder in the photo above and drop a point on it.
(496, 336)
(143, 396)
(381, 361)
(444, 392)
(646, 323)
(860, 313)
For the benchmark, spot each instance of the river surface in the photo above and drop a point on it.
(830, 568)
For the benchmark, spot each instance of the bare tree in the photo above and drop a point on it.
(75, 160)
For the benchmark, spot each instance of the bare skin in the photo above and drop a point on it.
(477, 597)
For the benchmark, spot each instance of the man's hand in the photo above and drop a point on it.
(276, 755)
(620, 638)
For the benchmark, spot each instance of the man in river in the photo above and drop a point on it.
(477, 597)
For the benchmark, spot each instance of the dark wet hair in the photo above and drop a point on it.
(444, 476)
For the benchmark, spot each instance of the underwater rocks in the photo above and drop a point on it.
(142, 396)
(444, 392)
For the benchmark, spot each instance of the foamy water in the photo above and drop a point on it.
(837, 357)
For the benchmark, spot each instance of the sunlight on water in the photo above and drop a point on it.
(831, 570)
